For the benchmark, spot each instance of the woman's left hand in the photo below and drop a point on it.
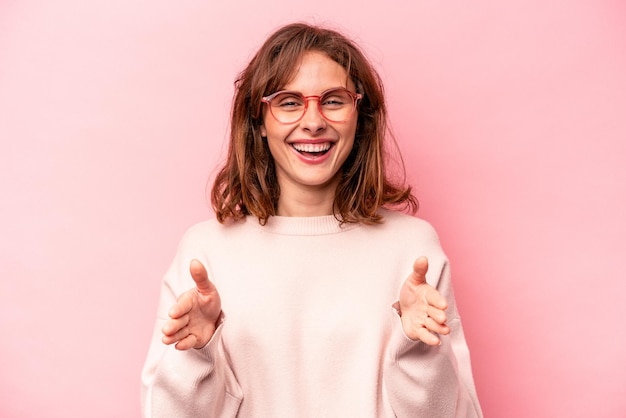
(422, 307)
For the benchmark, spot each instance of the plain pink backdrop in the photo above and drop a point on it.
(511, 117)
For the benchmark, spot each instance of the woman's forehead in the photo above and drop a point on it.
(315, 71)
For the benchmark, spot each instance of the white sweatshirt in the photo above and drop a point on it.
(309, 328)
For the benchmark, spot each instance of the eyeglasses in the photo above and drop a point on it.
(335, 105)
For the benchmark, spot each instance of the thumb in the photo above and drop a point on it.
(420, 267)
(432, 296)
(201, 277)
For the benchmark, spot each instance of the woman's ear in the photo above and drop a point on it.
(263, 131)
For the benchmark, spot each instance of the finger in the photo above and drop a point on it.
(435, 327)
(434, 298)
(420, 268)
(201, 277)
(175, 338)
(427, 337)
(182, 306)
(438, 315)
(174, 326)
(186, 343)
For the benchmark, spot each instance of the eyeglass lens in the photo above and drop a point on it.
(335, 105)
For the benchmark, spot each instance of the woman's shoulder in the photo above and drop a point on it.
(207, 235)
(408, 228)
(209, 229)
(399, 219)
(410, 231)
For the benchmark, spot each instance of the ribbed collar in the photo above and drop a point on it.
(313, 225)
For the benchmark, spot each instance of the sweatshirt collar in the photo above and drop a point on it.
(313, 225)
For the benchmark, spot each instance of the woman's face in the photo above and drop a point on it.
(308, 154)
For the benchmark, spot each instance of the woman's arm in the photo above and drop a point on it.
(421, 377)
(186, 373)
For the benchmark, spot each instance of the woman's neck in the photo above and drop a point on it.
(305, 202)
(303, 206)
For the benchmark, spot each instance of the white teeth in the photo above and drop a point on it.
(312, 147)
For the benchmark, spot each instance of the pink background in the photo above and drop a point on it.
(511, 117)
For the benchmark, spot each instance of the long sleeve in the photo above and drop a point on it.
(191, 383)
(426, 381)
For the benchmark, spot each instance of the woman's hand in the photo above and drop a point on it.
(422, 308)
(193, 318)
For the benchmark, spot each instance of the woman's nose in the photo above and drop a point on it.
(312, 120)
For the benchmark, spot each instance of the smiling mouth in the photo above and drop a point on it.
(312, 150)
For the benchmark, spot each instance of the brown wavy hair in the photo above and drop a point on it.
(247, 183)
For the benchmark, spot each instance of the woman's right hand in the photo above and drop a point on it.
(194, 316)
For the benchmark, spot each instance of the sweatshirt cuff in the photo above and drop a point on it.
(211, 349)
(400, 343)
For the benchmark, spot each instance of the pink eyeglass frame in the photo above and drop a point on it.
(355, 98)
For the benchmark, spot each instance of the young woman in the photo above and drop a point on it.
(311, 294)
